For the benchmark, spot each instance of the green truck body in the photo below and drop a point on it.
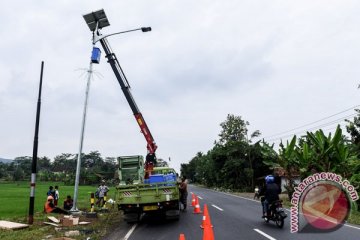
(136, 195)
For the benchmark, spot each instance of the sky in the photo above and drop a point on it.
(278, 64)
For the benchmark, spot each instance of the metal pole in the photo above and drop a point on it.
(35, 151)
(74, 208)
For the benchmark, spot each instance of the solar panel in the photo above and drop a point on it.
(99, 17)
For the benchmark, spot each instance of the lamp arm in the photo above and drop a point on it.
(99, 37)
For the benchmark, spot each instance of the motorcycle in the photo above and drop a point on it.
(277, 214)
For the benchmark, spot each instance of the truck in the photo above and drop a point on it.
(143, 187)
(136, 196)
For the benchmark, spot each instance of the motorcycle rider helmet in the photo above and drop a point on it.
(269, 179)
(49, 198)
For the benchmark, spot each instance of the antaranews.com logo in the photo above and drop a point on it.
(321, 203)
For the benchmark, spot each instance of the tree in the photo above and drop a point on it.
(329, 153)
(230, 163)
(22, 168)
(65, 162)
(233, 129)
(43, 163)
(18, 174)
(91, 159)
(286, 159)
(353, 128)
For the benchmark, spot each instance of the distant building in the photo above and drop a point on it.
(282, 174)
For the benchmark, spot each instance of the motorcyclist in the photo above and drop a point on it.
(271, 193)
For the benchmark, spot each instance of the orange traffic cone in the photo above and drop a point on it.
(182, 236)
(197, 206)
(193, 201)
(206, 218)
(208, 233)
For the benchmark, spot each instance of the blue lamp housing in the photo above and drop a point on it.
(95, 55)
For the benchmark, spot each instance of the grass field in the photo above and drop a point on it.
(14, 197)
(14, 206)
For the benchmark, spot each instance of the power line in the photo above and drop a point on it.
(342, 125)
(339, 120)
(310, 129)
(308, 124)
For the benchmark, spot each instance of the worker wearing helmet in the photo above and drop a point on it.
(49, 206)
(271, 193)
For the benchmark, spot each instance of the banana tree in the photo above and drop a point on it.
(305, 157)
(287, 160)
(328, 153)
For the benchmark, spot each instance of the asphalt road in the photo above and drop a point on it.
(233, 217)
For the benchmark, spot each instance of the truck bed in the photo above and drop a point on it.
(147, 193)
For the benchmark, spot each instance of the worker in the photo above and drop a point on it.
(183, 193)
(150, 162)
(51, 191)
(68, 203)
(49, 206)
(103, 189)
(56, 196)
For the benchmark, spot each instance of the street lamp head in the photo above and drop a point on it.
(146, 29)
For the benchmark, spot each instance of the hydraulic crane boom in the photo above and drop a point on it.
(125, 87)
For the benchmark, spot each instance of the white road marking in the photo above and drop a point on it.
(196, 195)
(217, 207)
(352, 226)
(249, 199)
(264, 234)
(130, 232)
(241, 197)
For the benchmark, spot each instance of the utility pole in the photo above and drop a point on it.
(78, 165)
(35, 151)
(95, 58)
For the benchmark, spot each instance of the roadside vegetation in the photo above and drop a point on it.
(238, 163)
(62, 169)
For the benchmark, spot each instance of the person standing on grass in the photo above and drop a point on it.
(51, 191)
(56, 196)
(103, 189)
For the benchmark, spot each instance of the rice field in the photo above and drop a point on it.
(14, 197)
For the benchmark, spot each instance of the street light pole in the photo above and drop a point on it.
(95, 21)
(78, 165)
